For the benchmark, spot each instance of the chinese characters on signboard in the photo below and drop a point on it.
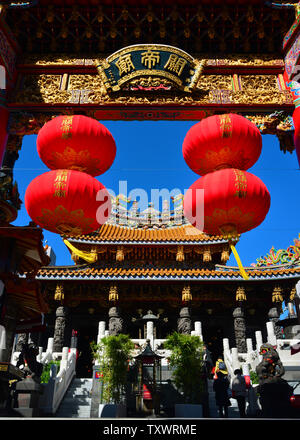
(148, 60)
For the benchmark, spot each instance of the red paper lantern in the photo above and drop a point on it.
(222, 141)
(76, 143)
(234, 202)
(296, 120)
(67, 202)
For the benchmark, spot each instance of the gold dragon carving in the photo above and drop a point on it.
(85, 88)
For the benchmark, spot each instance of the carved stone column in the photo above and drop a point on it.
(184, 323)
(22, 339)
(61, 329)
(273, 316)
(116, 322)
(239, 320)
(240, 329)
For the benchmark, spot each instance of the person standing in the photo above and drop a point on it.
(220, 366)
(208, 363)
(239, 391)
(220, 387)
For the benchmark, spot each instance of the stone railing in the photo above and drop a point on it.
(249, 360)
(55, 389)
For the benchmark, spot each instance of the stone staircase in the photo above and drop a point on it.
(77, 401)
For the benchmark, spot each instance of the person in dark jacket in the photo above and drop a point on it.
(239, 391)
(220, 387)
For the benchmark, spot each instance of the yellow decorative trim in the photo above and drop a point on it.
(238, 260)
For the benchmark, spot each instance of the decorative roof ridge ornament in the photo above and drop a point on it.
(280, 257)
(150, 60)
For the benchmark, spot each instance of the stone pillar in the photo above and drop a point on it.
(101, 331)
(259, 340)
(116, 323)
(235, 358)
(150, 332)
(239, 320)
(271, 333)
(184, 323)
(240, 329)
(273, 316)
(61, 338)
(198, 329)
(249, 345)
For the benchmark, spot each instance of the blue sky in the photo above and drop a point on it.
(149, 156)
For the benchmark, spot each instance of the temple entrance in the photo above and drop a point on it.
(84, 364)
(213, 339)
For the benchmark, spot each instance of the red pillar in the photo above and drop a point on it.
(296, 120)
(3, 131)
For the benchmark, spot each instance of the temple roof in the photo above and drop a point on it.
(112, 233)
(26, 294)
(150, 272)
(28, 244)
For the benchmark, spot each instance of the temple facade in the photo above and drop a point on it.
(154, 266)
(115, 60)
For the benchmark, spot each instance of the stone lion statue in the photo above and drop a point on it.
(270, 368)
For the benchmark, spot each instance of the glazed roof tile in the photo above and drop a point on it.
(150, 272)
(110, 233)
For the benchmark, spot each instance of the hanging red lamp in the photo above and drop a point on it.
(67, 202)
(77, 143)
(222, 141)
(233, 201)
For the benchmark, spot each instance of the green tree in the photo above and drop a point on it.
(113, 354)
(186, 359)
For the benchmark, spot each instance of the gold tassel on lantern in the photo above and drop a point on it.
(240, 294)
(59, 294)
(113, 294)
(277, 294)
(180, 254)
(186, 294)
(120, 253)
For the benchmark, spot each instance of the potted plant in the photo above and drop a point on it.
(186, 360)
(113, 354)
